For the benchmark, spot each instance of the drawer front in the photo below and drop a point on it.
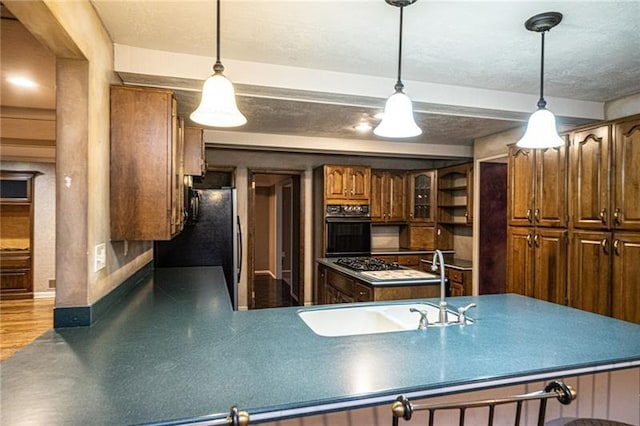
(411, 261)
(340, 282)
(15, 261)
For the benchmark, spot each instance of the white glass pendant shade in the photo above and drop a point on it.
(218, 105)
(541, 131)
(398, 121)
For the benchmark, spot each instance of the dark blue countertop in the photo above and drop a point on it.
(174, 350)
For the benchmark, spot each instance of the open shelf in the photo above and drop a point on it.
(454, 216)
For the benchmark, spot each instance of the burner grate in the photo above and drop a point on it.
(366, 264)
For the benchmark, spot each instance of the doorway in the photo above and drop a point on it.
(492, 245)
(275, 239)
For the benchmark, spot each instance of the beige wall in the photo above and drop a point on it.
(84, 51)
(622, 107)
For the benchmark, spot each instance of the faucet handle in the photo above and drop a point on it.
(462, 317)
(424, 320)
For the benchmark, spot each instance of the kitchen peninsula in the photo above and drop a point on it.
(367, 279)
(174, 349)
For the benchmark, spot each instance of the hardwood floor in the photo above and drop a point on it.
(22, 321)
(271, 293)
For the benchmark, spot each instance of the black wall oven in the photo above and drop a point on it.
(348, 231)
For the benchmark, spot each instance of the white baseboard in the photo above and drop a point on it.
(271, 274)
(44, 294)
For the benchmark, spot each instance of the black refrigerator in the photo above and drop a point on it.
(212, 237)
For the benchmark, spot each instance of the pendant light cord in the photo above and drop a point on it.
(541, 102)
(399, 86)
(218, 67)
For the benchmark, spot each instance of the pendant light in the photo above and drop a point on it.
(218, 104)
(398, 121)
(541, 130)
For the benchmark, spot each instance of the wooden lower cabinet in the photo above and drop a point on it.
(605, 273)
(537, 259)
(626, 276)
(589, 288)
(459, 282)
(15, 275)
(335, 287)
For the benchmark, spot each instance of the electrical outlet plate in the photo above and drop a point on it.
(100, 257)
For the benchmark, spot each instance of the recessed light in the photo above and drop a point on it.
(363, 126)
(22, 82)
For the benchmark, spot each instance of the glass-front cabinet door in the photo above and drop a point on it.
(421, 196)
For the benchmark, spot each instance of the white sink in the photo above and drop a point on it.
(354, 320)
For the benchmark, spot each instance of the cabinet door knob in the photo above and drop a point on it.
(529, 240)
(536, 240)
(603, 215)
(605, 246)
(529, 215)
(537, 215)
(616, 247)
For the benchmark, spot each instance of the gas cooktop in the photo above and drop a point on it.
(366, 264)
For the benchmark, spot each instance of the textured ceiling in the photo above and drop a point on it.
(469, 51)
(591, 55)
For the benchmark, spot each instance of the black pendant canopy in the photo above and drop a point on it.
(543, 21)
(400, 3)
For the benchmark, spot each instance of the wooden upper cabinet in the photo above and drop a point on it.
(194, 158)
(521, 178)
(626, 205)
(537, 187)
(146, 165)
(590, 271)
(347, 183)
(388, 200)
(397, 209)
(550, 200)
(378, 190)
(625, 251)
(589, 165)
(421, 196)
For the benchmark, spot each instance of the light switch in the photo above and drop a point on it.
(100, 257)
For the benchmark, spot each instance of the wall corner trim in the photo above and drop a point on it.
(79, 316)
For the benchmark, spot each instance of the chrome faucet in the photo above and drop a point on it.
(424, 321)
(439, 261)
(462, 313)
